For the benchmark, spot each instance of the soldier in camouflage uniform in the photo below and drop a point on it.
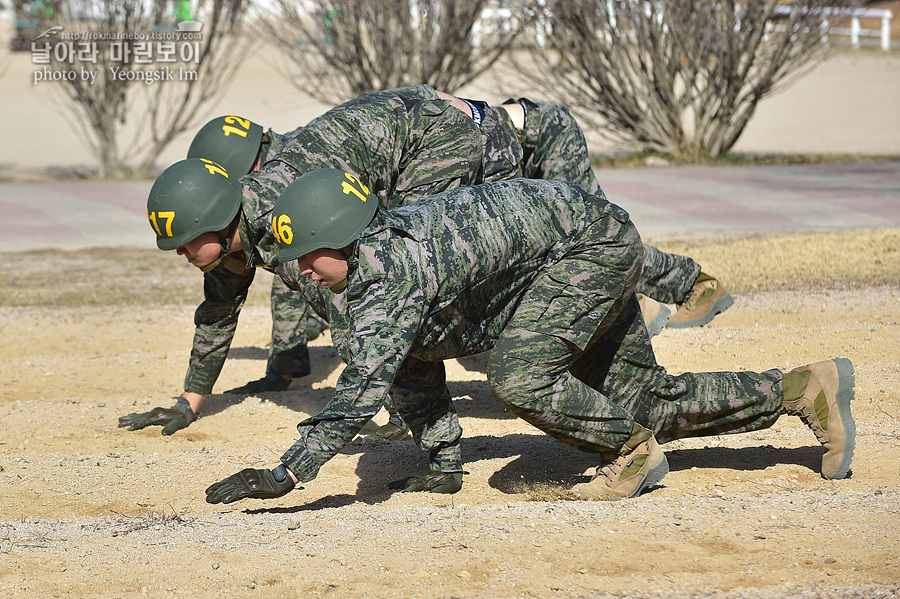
(542, 274)
(240, 146)
(554, 147)
(407, 143)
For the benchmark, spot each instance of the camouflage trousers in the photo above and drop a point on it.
(588, 391)
(420, 394)
(623, 368)
(575, 361)
(667, 278)
(554, 147)
(419, 391)
(288, 353)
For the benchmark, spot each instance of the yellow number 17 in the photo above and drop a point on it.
(168, 216)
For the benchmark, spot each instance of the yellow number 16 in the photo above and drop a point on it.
(281, 228)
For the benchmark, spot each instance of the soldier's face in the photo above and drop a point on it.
(202, 251)
(325, 266)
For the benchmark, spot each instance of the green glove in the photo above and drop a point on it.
(432, 481)
(270, 382)
(171, 419)
(251, 483)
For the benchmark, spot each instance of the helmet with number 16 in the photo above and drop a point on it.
(232, 141)
(189, 198)
(325, 208)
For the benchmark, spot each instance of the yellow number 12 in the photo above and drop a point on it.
(361, 192)
(228, 130)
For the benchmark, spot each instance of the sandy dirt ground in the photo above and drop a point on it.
(90, 510)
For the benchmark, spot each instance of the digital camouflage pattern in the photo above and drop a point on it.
(290, 311)
(224, 292)
(551, 146)
(288, 353)
(554, 147)
(541, 272)
(403, 143)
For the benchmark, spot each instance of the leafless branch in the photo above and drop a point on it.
(124, 63)
(682, 78)
(338, 49)
(147, 521)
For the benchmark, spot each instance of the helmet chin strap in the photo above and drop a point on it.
(224, 243)
(339, 288)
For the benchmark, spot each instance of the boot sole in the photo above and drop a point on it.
(655, 326)
(844, 395)
(720, 305)
(654, 475)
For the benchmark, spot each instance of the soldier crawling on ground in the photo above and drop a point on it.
(407, 143)
(541, 274)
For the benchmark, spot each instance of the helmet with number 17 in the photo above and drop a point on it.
(189, 198)
(325, 208)
(232, 141)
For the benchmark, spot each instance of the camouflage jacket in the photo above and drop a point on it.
(404, 143)
(437, 279)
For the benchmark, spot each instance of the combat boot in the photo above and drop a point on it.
(820, 395)
(640, 463)
(705, 299)
(655, 314)
(394, 430)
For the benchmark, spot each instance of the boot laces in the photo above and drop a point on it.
(691, 297)
(813, 423)
(613, 470)
(695, 292)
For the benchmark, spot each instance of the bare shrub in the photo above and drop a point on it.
(338, 49)
(681, 78)
(117, 74)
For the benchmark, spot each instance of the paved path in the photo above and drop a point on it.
(670, 201)
(74, 215)
(662, 202)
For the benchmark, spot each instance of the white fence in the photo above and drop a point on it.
(855, 31)
(500, 19)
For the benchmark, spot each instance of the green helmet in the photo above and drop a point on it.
(325, 208)
(189, 198)
(231, 141)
